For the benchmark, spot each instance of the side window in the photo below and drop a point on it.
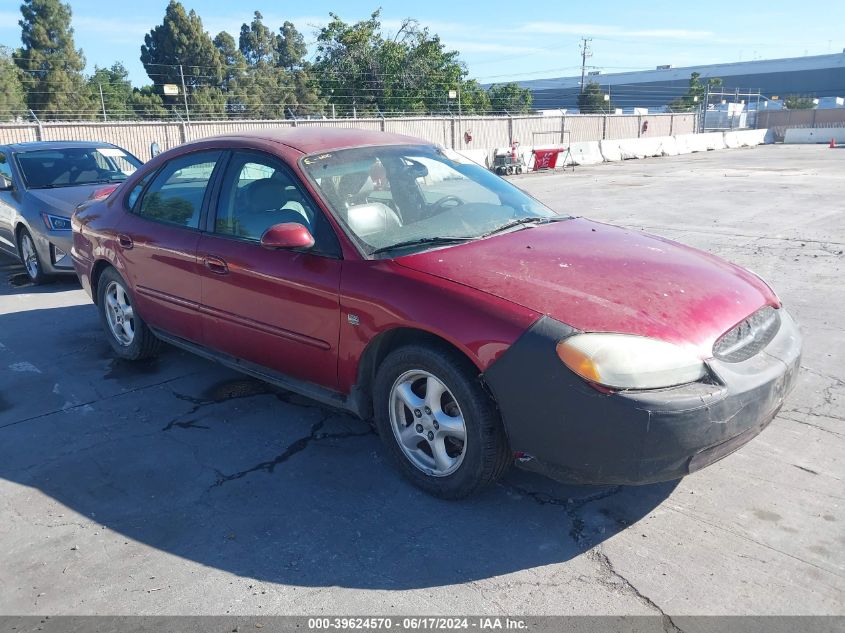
(5, 168)
(132, 198)
(175, 195)
(257, 192)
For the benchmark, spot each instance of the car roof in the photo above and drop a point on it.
(310, 139)
(33, 145)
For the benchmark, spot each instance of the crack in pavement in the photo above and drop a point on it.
(98, 400)
(295, 447)
(570, 507)
(604, 563)
(232, 390)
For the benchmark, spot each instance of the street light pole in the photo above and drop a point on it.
(102, 102)
(184, 94)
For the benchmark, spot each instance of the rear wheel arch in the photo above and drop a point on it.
(383, 344)
(97, 271)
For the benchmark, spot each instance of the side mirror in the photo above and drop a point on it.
(5, 183)
(155, 150)
(287, 235)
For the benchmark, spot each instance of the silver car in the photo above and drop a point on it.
(40, 186)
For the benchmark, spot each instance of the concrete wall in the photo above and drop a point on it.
(487, 132)
(778, 121)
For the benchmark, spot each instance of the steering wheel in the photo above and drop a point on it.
(440, 205)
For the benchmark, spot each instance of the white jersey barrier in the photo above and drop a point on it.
(815, 135)
(607, 151)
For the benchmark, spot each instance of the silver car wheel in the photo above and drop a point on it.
(427, 423)
(119, 314)
(30, 256)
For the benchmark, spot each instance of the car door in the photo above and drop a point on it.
(275, 308)
(157, 242)
(7, 203)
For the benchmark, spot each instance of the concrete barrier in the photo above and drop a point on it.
(584, 153)
(629, 148)
(814, 135)
(682, 144)
(706, 142)
(610, 150)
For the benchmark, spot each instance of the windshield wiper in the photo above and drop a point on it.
(424, 240)
(520, 222)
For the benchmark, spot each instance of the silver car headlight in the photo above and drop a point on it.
(56, 222)
(623, 361)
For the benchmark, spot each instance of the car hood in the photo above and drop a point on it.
(602, 278)
(62, 199)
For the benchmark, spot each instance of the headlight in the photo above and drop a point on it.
(56, 223)
(622, 361)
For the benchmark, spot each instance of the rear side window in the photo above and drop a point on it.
(5, 168)
(175, 195)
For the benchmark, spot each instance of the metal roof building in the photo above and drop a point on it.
(816, 75)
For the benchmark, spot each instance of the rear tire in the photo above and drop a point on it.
(440, 427)
(128, 335)
(30, 258)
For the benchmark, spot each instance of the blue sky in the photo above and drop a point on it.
(500, 40)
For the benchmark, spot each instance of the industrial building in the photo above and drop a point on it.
(815, 75)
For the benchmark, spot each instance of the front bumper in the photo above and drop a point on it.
(54, 251)
(570, 431)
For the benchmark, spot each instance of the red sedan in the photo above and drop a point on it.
(395, 279)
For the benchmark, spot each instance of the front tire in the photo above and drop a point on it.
(128, 335)
(30, 258)
(441, 428)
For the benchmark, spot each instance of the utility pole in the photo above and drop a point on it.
(102, 102)
(459, 98)
(184, 94)
(585, 53)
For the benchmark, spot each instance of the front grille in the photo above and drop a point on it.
(748, 337)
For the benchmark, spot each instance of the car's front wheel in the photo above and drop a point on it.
(30, 258)
(437, 422)
(128, 335)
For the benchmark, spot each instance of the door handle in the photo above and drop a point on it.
(125, 241)
(215, 265)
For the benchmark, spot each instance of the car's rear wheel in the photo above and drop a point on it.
(437, 422)
(30, 258)
(128, 335)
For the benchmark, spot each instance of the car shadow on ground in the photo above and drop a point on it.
(13, 272)
(202, 463)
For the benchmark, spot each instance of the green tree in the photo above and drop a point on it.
(799, 102)
(51, 64)
(181, 40)
(360, 69)
(12, 97)
(291, 49)
(510, 98)
(474, 98)
(234, 64)
(116, 91)
(592, 100)
(696, 93)
(147, 104)
(258, 43)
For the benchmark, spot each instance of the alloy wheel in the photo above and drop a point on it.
(427, 423)
(30, 256)
(119, 314)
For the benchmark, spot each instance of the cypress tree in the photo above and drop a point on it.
(51, 63)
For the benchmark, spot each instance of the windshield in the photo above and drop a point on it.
(72, 167)
(406, 197)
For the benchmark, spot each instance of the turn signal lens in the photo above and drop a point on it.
(578, 361)
(622, 361)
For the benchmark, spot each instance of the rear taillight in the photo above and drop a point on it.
(103, 192)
